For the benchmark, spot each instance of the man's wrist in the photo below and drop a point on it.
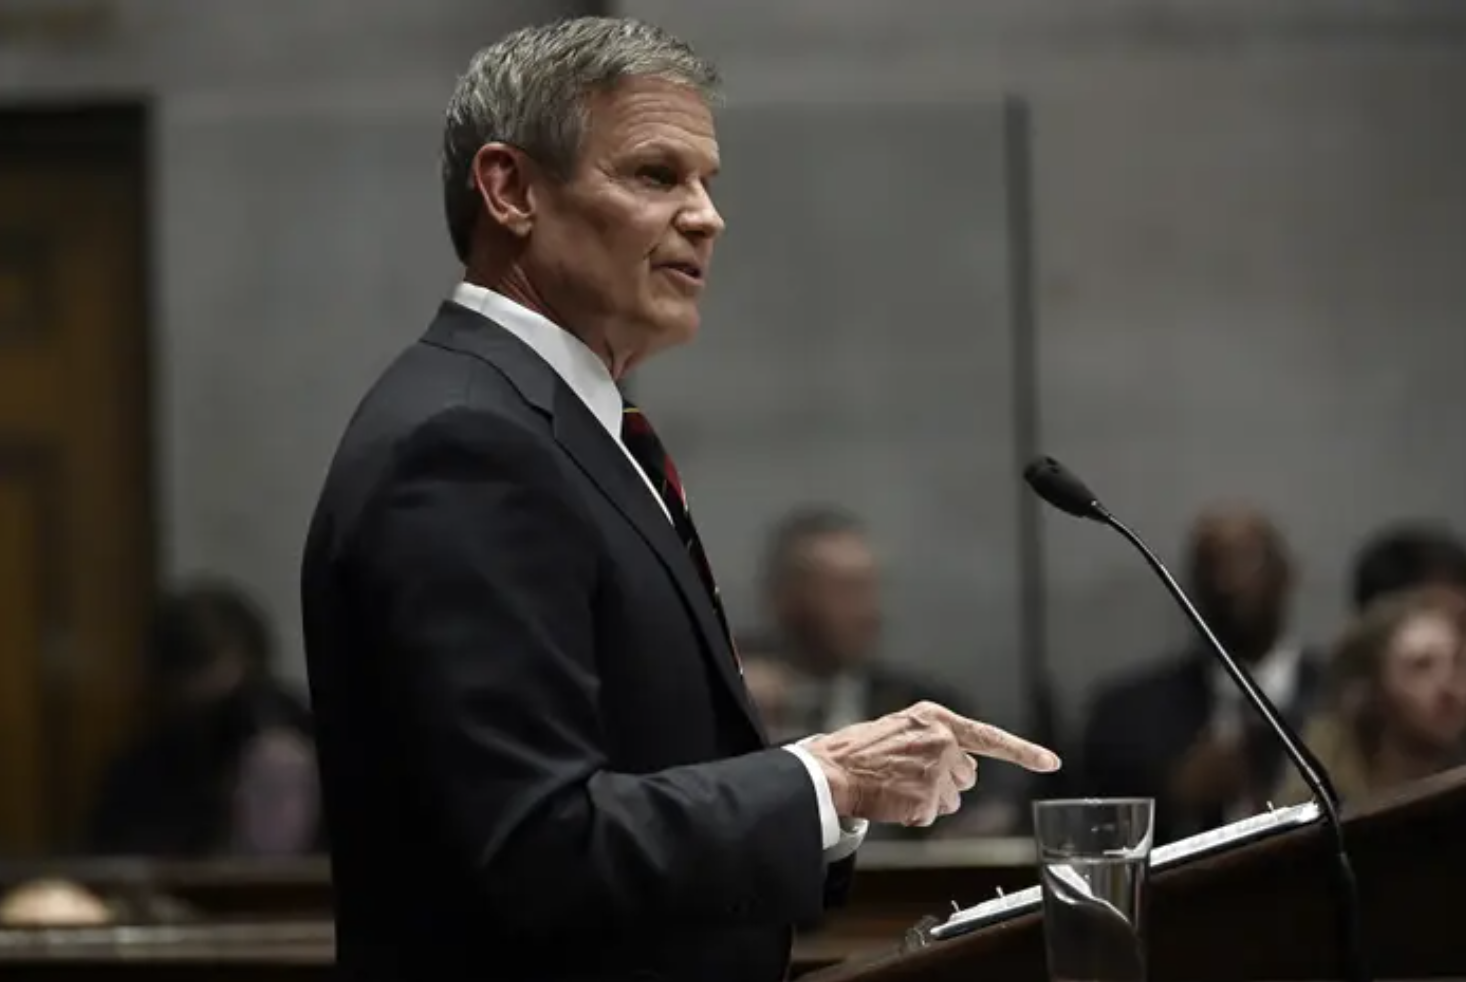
(842, 791)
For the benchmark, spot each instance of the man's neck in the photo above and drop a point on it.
(817, 663)
(509, 282)
(1254, 652)
(512, 282)
(820, 670)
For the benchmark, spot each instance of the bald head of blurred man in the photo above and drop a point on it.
(1242, 576)
(52, 903)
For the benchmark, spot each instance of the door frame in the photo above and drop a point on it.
(116, 135)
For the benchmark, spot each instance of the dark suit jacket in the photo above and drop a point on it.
(537, 754)
(1140, 728)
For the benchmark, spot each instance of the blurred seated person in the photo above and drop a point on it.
(1179, 731)
(769, 680)
(1407, 556)
(274, 791)
(226, 764)
(822, 587)
(1395, 709)
(52, 903)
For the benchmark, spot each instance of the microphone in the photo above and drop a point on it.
(1063, 489)
(1060, 487)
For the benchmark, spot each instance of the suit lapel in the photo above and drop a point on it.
(596, 453)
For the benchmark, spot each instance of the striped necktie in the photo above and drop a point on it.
(647, 450)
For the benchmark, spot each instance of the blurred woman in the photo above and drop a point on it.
(1396, 710)
(274, 794)
(226, 763)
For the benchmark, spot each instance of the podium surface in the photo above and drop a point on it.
(236, 921)
(1264, 911)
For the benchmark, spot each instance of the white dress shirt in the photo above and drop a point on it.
(589, 378)
(1276, 674)
(846, 697)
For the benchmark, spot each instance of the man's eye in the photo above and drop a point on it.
(659, 175)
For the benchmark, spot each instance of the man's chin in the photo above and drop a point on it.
(675, 329)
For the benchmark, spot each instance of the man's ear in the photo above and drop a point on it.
(504, 178)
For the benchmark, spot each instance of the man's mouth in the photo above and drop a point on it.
(690, 270)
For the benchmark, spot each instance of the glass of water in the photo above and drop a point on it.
(1093, 859)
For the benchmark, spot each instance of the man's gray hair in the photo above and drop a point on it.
(529, 90)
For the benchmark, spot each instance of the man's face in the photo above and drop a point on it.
(1240, 573)
(834, 599)
(620, 251)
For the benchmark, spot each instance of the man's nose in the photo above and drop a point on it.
(701, 218)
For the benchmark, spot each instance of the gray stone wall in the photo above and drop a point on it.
(1251, 229)
(1251, 240)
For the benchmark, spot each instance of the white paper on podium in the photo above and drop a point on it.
(1028, 901)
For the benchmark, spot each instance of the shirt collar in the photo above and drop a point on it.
(1276, 674)
(580, 368)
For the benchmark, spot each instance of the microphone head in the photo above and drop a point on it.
(1060, 487)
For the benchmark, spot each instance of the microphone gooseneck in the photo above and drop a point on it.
(1061, 488)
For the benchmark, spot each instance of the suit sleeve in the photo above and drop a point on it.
(839, 877)
(480, 579)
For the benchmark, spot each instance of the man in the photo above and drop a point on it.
(768, 680)
(1180, 732)
(537, 753)
(822, 586)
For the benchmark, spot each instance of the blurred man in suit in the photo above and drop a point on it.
(822, 585)
(1179, 731)
(538, 756)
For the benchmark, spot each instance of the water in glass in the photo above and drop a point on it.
(1094, 858)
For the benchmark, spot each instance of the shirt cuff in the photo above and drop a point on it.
(839, 837)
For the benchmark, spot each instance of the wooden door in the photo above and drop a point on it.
(76, 532)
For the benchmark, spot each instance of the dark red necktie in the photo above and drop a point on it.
(647, 450)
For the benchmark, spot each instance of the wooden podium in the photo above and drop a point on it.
(1257, 913)
(1263, 912)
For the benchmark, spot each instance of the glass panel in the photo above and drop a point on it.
(855, 350)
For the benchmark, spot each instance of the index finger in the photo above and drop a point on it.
(987, 740)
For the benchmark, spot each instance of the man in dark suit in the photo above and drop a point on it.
(822, 586)
(1179, 731)
(537, 754)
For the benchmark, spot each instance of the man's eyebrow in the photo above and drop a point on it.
(679, 151)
